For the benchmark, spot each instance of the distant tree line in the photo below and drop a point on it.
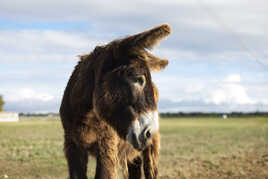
(1, 103)
(38, 114)
(179, 114)
(203, 114)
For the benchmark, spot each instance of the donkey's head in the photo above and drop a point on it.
(124, 93)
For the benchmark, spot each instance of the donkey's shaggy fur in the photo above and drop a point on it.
(109, 109)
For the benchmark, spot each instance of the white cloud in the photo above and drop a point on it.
(175, 54)
(228, 91)
(231, 94)
(30, 100)
(233, 78)
(242, 15)
(167, 88)
(38, 58)
(43, 44)
(25, 94)
(194, 88)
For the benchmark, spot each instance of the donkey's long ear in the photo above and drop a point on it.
(147, 39)
(156, 63)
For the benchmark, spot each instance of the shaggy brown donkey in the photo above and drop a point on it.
(109, 109)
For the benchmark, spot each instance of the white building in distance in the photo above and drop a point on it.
(9, 117)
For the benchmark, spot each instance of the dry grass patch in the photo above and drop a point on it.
(190, 148)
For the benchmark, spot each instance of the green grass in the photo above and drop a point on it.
(190, 148)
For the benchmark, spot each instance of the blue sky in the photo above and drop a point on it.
(217, 50)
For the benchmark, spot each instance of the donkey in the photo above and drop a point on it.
(109, 109)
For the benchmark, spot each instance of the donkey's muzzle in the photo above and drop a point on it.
(143, 129)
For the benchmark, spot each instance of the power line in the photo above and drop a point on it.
(233, 34)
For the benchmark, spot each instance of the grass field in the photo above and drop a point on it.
(190, 148)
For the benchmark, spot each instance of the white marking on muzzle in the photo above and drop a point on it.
(137, 131)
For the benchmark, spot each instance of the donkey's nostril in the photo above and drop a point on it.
(148, 134)
(141, 80)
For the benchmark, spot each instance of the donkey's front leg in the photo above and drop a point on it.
(107, 156)
(150, 159)
(77, 159)
(105, 169)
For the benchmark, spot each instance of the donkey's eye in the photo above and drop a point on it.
(140, 80)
